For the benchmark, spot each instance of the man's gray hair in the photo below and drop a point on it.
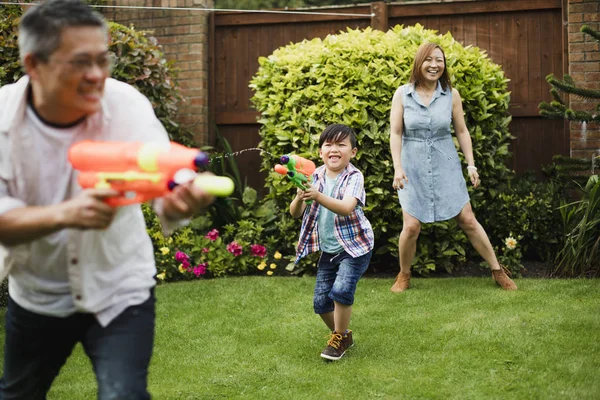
(41, 26)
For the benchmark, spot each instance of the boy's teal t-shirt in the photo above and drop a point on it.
(327, 239)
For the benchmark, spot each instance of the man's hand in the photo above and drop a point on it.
(186, 200)
(88, 210)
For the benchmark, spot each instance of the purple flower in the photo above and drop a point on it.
(212, 235)
(200, 269)
(258, 250)
(234, 248)
(181, 256)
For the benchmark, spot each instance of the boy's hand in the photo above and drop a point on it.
(310, 193)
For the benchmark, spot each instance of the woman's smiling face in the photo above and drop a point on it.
(433, 66)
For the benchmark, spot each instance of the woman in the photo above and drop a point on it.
(427, 170)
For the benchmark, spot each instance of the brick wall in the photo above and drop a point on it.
(584, 67)
(183, 34)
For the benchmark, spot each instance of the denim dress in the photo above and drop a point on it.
(436, 188)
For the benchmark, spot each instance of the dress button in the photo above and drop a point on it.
(74, 261)
(78, 297)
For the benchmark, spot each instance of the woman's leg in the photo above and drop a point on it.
(479, 239)
(472, 228)
(407, 244)
(407, 247)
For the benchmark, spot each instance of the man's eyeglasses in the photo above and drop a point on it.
(83, 64)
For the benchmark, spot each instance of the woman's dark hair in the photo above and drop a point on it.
(416, 76)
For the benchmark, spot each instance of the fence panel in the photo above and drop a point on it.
(526, 37)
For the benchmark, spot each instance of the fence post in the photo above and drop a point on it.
(379, 20)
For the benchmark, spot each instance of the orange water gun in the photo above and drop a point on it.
(298, 169)
(142, 171)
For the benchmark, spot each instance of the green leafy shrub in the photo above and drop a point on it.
(10, 66)
(527, 209)
(350, 78)
(580, 252)
(509, 255)
(4, 293)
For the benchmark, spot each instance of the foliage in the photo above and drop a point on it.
(441, 245)
(244, 207)
(4, 293)
(580, 254)
(10, 66)
(350, 78)
(558, 107)
(529, 210)
(510, 256)
(227, 210)
(246, 246)
(572, 172)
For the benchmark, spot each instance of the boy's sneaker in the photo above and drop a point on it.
(348, 341)
(336, 347)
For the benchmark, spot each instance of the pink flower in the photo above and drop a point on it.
(234, 248)
(258, 250)
(181, 256)
(212, 235)
(200, 269)
(205, 250)
(186, 264)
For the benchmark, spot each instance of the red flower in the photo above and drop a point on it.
(234, 248)
(200, 269)
(258, 250)
(181, 256)
(212, 235)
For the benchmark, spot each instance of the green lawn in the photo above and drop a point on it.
(458, 338)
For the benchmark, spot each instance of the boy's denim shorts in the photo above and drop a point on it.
(337, 276)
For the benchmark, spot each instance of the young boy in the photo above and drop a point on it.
(336, 225)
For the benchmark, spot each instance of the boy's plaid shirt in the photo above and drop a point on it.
(354, 231)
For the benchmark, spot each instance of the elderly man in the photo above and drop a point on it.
(79, 270)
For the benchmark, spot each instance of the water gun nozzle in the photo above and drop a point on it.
(201, 160)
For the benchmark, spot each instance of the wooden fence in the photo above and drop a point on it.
(526, 37)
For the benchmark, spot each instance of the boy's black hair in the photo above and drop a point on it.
(336, 133)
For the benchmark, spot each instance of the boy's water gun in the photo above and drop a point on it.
(142, 171)
(298, 169)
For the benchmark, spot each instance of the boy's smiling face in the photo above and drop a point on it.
(337, 154)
